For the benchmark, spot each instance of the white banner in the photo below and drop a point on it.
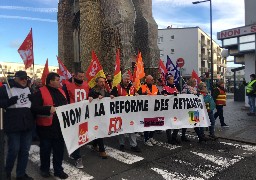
(83, 122)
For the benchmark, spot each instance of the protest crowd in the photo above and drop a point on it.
(30, 113)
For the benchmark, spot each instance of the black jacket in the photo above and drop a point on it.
(94, 93)
(53, 131)
(15, 119)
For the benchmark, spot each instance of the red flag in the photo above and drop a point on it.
(130, 74)
(63, 71)
(94, 70)
(26, 50)
(45, 72)
(117, 74)
(162, 70)
(195, 76)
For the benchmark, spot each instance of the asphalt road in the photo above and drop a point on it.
(221, 159)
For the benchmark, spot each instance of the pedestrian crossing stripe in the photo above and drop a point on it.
(221, 161)
(206, 170)
(124, 157)
(174, 175)
(71, 170)
(239, 146)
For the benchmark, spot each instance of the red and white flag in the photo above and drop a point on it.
(63, 71)
(26, 50)
(45, 73)
(162, 69)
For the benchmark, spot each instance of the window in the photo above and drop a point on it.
(161, 53)
(172, 51)
(160, 39)
(172, 37)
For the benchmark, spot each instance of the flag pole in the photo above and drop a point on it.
(7, 82)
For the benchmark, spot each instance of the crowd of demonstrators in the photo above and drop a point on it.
(25, 107)
(149, 89)
(76, 90)
(18, 124)
(99, 91)
(219, 96)
(251, 93)
(126, 88)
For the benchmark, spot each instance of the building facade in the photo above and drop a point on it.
(194, 47)
(241, 41)
(9, 68)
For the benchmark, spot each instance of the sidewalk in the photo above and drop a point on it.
(241, 126)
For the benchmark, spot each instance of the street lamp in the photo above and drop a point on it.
(197, 2)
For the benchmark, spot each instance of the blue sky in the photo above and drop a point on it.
(18, 16)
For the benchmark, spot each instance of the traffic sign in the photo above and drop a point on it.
(180, 62)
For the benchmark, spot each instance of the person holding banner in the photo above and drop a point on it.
(44, 105)
(99, 91)
(170, 89)
(190, 88)
(76, 90)
(18, 123)
(125, 88)
(149, 89)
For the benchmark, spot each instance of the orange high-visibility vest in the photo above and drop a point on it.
(146, 90)
(43, 120)
(221, 98)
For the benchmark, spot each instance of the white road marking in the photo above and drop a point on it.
(71, 170)
(174, 175)
(201, 169)
(124, 157)
(239, 146)
(221, 161)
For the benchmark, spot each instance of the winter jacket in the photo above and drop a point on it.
(17, 114)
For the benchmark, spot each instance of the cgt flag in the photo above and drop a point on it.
(26, 50)
(162, 70)
(195, 76)
(63, 71)
(94, 70)
(117, 74)
(45, 72)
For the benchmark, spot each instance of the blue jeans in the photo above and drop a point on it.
(219, 114)
(57, 147)
(212, 120)
(252, 103)
(18, 148)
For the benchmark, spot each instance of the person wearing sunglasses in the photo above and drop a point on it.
(18, 124)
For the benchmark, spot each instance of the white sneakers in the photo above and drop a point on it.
(150, 142)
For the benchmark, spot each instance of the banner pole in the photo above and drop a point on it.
(2, 174)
